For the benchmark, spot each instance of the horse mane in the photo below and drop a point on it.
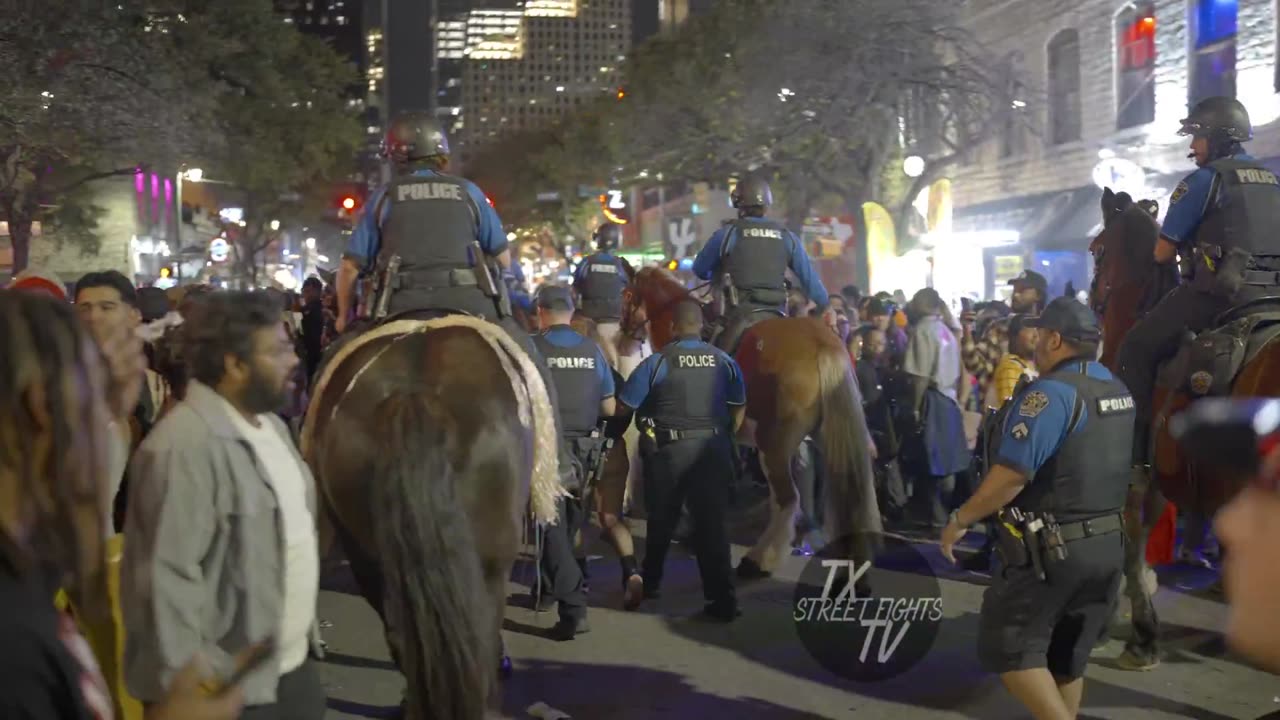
(659, 285)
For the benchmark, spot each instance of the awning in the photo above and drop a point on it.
(1014, 214)
(1070, 222)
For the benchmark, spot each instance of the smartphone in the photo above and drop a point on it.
(259, 653)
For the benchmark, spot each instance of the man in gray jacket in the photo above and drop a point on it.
(220, 540)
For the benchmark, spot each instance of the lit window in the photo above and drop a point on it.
(1135, 68)
(1213, 61)
(1064, 87)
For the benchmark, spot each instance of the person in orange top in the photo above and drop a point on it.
(1017, 362)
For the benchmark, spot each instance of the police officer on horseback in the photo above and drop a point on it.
(602, 276)
(1057, 484)
(749, 258)
(584, 383)
(434, 243)
(1221, 222)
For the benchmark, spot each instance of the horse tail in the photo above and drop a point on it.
(434, 598)
(850, 494)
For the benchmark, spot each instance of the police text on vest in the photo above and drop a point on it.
(429, 191)
(697, 361)
(1113, 405)
(571, 363)
(605, 269)
(762, 232)
(1256, 176)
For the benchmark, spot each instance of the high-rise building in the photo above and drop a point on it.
(337, 21)
(523, 68)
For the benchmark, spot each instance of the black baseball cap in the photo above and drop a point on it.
(1069, 318)
(1032, 279)
(556, 298)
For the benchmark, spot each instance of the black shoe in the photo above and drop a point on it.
(633, 592)
(568, 628)
(718, 612)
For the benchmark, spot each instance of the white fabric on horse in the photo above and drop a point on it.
(531, 395)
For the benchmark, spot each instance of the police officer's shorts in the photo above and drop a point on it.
(1028, 623)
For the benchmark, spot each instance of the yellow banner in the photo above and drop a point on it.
(882, 241)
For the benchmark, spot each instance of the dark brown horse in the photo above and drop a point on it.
(799, 383)
(422, 453)
(1127, 281)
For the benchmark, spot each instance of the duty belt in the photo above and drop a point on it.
(1079, 530)
(667, 435)
(456, 277)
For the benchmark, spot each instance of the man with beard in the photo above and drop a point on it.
(982, 354)
(220, 540)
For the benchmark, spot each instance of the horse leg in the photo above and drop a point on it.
(1142, 649)
(776, 451)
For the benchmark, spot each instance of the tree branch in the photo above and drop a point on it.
(99, 176)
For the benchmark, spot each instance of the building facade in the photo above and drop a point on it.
(1101, 87)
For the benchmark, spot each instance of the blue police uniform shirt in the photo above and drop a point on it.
(366, 239)
(653, 370)
(566, 337)
(708, 261)
(1040, 421)
(1189, 202)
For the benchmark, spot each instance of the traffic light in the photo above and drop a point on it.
(348, 203)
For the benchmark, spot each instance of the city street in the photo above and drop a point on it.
(661, 663)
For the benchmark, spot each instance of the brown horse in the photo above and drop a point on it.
(1127, 281)
(423, 453)
(799, 383)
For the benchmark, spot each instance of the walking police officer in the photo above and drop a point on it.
(1222, 220)
(585, 385)
(749, 259)
(1058, 480)
(600, 279)
(689, 399)
(431, 237)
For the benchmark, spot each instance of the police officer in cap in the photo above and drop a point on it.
(431, 222)
(1060, 471)
(600, 279)
(755, 253)
(689, 400)
(1222, 219)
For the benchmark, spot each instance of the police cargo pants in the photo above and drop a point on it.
(697, 471)
(1155, 338)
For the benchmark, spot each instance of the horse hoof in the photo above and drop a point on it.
(505, 668)
(749, 569)
(1130, 660)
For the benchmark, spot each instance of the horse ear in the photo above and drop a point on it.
(1108, 198)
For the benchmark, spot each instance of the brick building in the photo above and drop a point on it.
(1102, 86)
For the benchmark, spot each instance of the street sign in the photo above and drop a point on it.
(219, 249)
(548, 197)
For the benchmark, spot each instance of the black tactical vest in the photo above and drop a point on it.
(577, 379)
(1088, 476)
(602, 287)
(1246, 210)
(691, 396)
(756, 255)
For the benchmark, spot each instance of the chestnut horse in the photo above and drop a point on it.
(1128, 281)
(799, 383)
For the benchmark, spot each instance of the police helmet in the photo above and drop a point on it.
(1218, 118)
(608, 236)
(414, 135)
(752, 192)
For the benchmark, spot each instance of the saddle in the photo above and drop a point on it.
(1207, 363)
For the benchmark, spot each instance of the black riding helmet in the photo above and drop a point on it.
(752, 192)
(1224, 121)
(608, 236)
(414, 136)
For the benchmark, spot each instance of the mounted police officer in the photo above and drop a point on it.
(1058, 481)
(434, 241)
(689, 400)
(749, 259)
(600, 279)
(1222, 220)
(584, 383)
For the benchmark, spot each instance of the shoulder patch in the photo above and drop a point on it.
(1115, 405)
(1178, 192)
(1020, 431)
(1033, 403)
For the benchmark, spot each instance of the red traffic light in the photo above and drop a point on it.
(348, 203)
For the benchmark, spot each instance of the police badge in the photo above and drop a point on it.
(1201, 381)
(1178, 192)
(1033, 404)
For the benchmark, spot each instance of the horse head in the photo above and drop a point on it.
(647, 304)
(1123, 251)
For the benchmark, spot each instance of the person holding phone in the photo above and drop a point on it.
(58, 389)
